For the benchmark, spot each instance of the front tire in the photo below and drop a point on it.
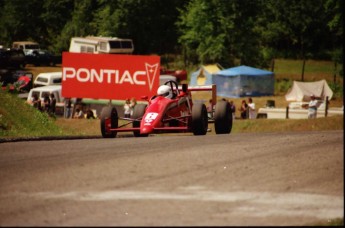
(223, 118)
(109, 120)
(138, 113)
(199, 119)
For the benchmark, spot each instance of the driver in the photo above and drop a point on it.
(165, 91)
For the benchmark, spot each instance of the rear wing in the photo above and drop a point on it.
(212, 88)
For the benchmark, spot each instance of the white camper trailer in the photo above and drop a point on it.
(98, 45)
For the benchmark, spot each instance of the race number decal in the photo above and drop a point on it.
(151, 116)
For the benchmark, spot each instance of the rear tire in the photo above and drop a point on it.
(199, 119)
(223, 118)
(109, 119)
(138, 113)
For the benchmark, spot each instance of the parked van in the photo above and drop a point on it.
(42, 91)
(50, 78)
(97, 45)
(26, 46)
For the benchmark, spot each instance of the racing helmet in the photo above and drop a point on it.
(165, 91)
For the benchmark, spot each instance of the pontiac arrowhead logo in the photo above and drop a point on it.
(151, 71)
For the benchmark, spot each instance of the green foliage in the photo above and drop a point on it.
(204, 31)
(337, 89)
(282, 86)
(19, 119)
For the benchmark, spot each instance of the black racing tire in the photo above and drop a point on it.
(223, 118)
(199, 119)
(109, 114)
(138, 112)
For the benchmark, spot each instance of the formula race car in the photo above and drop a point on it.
(168, 114)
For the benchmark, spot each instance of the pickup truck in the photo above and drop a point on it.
(42, 58)
(11, 58)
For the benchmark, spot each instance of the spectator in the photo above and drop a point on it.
(90, 114)
(132, 105)
(233, 109)
(36, 102)
(312, 107)
(210, 108)
(52, 104)
(251, 107)
(78, 114)
(68, 108)
(127, 108)
(78, 104)
(243, 109)
(46, 103)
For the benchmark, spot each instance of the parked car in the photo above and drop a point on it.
(12, 58)
(42, 58)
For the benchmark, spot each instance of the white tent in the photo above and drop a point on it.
(301, 91)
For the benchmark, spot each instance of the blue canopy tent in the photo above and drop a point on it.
(244, 81)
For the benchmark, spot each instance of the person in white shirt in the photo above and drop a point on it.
(312, 107)
(127, 108)
(78, 114)
(251, 106)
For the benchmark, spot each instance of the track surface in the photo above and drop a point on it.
(174, 180)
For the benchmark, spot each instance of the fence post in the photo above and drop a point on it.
(287, 112)
(326, 107)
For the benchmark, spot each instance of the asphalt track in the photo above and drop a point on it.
(174, 180)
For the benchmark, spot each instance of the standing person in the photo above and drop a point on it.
(132, 104)
(243, 109)
(251, 106)
(52, 104)
(127, 108)
(233, 109)
(68, 108)
(312, 107)
(210, 108)
(46, 103)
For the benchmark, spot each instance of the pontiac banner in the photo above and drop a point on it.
(109, 76)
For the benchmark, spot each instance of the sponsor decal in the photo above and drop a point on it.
(150, 117)
(109, 76)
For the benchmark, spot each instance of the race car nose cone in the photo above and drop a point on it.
(146, 130)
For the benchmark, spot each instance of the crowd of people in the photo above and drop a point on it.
(48, 105)
(247, 109)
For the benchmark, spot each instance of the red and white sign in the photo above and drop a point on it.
(107, 76)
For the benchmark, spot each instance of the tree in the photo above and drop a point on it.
(19, 21)
(221, 31)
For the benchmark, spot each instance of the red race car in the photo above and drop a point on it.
(170, 112)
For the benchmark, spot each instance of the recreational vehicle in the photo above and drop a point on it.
(98, 45)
